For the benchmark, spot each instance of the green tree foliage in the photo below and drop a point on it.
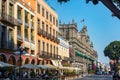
(113, 50)
(117, 2)
(60, 1)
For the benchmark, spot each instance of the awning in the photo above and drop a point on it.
(57, 63)
(54, 62)
(79, 54)
(42, 66)
(30, 66)
(51, 66)
(2, 64)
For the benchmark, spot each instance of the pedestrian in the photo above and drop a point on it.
(25, 75)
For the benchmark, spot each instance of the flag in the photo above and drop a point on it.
(82, 20)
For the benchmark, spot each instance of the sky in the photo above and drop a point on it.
(102, 27)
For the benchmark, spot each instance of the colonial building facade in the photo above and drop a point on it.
(47, 29)
(17, 25)
(31, 24)
(82, 49)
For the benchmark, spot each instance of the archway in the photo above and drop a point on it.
(27, 61)
(19, 61)
(33, 61)
(12, 60)
(3, 58)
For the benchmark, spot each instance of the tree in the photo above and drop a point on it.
(113, 50)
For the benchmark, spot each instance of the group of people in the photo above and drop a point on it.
(47, 75)
(7, 76)
(41, 75)
(116, 75)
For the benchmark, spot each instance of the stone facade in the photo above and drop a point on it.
(81, 44)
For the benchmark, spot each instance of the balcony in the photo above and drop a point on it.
(26, 39)
(57, 40)
(5, 45)
(39, 31)
(8, 19)
(45, 55)
(14, 1)
(66, 58)
(32, 39)
(19, 22)
(44, 33)
(47, 35)
(26, 24)
(51, 37)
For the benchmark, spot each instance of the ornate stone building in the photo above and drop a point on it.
(84, 54)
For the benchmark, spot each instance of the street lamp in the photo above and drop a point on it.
(20, 51)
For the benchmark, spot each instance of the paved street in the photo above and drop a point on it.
(96, 77)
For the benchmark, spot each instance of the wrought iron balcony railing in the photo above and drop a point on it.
(8, 19)
(39, 31)
(7, 45)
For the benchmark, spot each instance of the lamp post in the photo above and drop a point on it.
(20, 51)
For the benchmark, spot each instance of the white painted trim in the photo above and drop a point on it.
(25, 8)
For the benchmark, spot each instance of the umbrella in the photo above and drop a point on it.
(43, 66)
(2, 64)
(51, 66)
(29, 66)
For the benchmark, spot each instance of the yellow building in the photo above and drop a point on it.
(31, 24)
(47, 29)
(17, 25)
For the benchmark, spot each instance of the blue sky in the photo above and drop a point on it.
(102, 27)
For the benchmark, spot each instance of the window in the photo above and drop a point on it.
(57, 50)
(43, 46)
(43, 12)
(11, 10)
(39, 47)
(32, 52)
(46, 28)
(26, 33)
(53, 32)
(26, 17)
(43, 26)
(50, 31)
(46, 14)
(47, 47)
(19, 30)
(56, 33)
(32, 21)
(32, 35)
(38, 8)
(50, 18)
(51, 49)
(19, 13)
(54, 51)
(56, 23)
(38, 22)
(54, 20)
(10, 35)
(10, 39)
